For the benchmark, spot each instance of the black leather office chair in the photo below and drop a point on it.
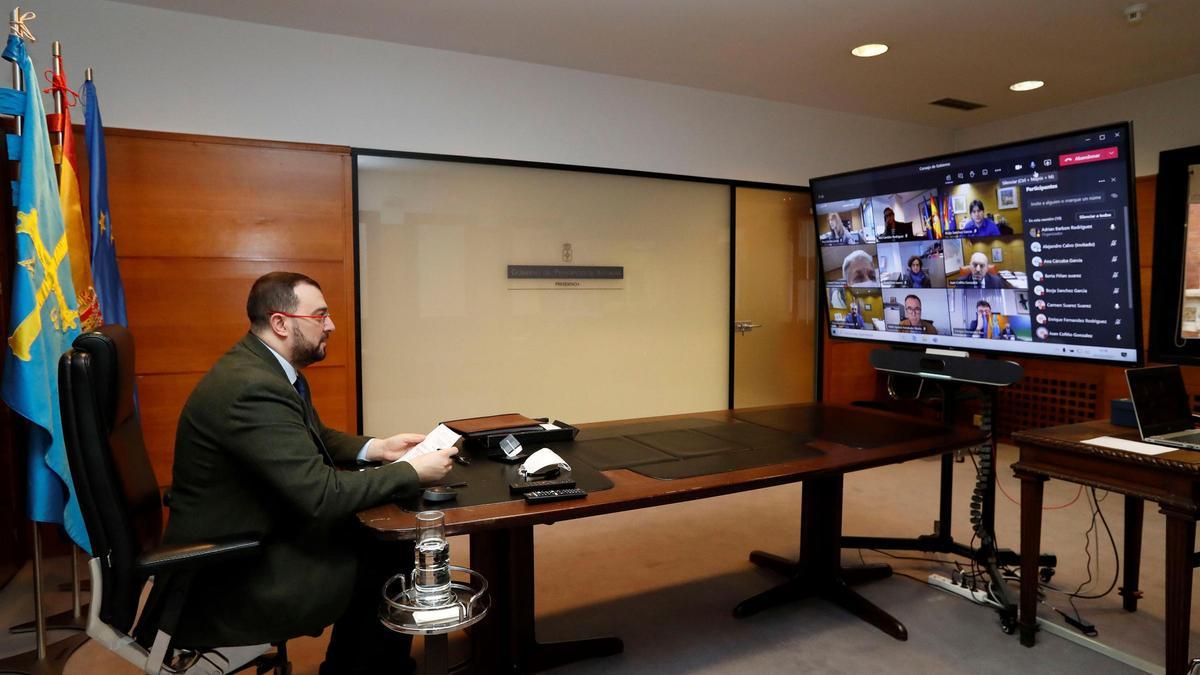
(122, 511)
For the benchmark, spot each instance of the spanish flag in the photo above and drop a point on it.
(937, 220)
(78, 246)
(950, 225)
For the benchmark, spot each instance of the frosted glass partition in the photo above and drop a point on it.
(445, 334)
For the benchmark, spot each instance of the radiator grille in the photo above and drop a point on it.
(1037, 402)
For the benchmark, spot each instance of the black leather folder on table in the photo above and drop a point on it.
(487, 432)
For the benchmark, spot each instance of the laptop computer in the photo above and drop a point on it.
(1162, 406)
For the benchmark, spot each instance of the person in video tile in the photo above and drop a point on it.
(894, 229)
(979, 224)
(838, 234)
(985, 324)
(915, 277)
(859, 270)
(855, 318)
(980, 277)
(912, 321)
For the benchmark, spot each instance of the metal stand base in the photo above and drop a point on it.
(54, 663)
(987, 556)
(72, 619)
(65, 620)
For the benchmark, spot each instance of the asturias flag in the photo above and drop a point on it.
(78, 247)
(45, 317)
(105, 274)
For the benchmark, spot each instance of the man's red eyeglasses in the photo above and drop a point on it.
(319, 317)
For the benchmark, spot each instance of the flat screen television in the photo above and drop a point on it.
(1026, 248)
(1175, 297)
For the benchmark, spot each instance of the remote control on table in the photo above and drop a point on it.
(521, 487)
(539, 496)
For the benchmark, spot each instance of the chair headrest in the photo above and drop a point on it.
(110, 349)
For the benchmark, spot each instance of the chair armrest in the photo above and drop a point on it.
(188, 557)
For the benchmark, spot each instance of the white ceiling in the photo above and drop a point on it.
(797, 51)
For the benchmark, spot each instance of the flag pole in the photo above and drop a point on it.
(36, 662)
(39, 613)
(75, 620)
(57, 136)
(39, 616)
(18, 83)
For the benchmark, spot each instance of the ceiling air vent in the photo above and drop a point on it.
(957, 104)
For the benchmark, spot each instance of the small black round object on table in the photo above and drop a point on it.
(439, 493)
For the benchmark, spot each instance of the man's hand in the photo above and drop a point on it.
(390, 449)
(434, 466)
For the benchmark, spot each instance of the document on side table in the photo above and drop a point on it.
(1129, 446)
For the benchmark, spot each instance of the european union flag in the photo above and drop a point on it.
(45, 316)
(105, 276)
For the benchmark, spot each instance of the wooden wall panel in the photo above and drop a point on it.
(197, 219)
(1054, 385)
(846, 372)
(1145, 187)
(191, 310)
(203, 199)
(217, 175)
(160, 400)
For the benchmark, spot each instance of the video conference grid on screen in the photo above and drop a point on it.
(1023, 248)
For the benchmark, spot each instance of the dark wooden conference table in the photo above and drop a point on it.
(1171, 480)
(828, 442)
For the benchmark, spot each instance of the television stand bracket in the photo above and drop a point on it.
(952, 370)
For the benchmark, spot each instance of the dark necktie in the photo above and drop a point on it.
(301, 386)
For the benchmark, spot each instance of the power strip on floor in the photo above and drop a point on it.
(946, 584)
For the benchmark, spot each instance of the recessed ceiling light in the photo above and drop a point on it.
(869, 50)
(1027, 85)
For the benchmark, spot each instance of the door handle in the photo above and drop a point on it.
(743, 327)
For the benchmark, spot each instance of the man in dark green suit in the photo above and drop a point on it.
(252, 456)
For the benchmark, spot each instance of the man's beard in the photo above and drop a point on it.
(305, 353)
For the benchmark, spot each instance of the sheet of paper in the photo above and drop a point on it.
(549, 427)
(443, 615)
(440, 437)
(1129, 446)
